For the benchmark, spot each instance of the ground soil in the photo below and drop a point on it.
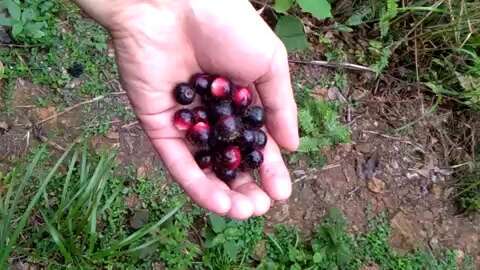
(407, 175)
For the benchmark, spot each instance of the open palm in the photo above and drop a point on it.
(161, 43)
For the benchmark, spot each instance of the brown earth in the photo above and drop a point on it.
(407, 175)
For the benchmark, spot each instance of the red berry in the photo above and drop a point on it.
(183, 119)
(224, 174)
(220, 88)
(203, 159)
(230, 157)
(227, 129)
(184, 94)
(242, 98)
(200, 114)
(199, 134)
(201, 83)
(254, 117)
(254, 159)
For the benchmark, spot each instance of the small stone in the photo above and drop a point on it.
(158, 266)
(436, 190)
(412, 176)
(376, 185)
(434, 243)
(299, 173)
(370, 266)
(365, 148)
(142, 172)
(132, 201)
(448, 192)
(139, 219)
(2, 70)
(404, 235)
(460, 256)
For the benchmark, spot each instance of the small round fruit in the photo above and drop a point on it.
(200, 114)
(201, 83)
(242, 98)
(254, 159)
(199, 134)
(227, 129)
(254, 117)
(220, 88)
(247, 139)
(183, 119)
(221, 109)
(260, 139)
(184, 94)
(203, 159)
(225, 174)
(230, 157)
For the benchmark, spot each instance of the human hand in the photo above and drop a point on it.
(160, 43)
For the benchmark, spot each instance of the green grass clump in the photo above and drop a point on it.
(468, 195)
(320, 126)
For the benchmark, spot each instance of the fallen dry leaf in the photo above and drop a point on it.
(376, 185)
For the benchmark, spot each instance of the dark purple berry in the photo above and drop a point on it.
(76, 70)
(260, 139)
(201, 83)
(227, 129)
(184, 94)
(242, 98)
(224, 174)
(254, 159)
(203, 159)
(247, 139)
(254, 117)
(200, 114)
(230, 157)
(183, 119)
(199, 134)
(221, 109)
(220, 88)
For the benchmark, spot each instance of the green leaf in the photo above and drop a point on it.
(231, 249)
(282, 6)
(358, 16)
(318, 257)
(307, 124)
(27, 15)
(217, 223)
(17, 29)
(308, 144)
(321, 9)
(13, 9)
(291, 32)
(5, 21)
(35, 29)
(217, 240)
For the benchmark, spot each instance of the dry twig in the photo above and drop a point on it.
(71, 108)
(334, 65)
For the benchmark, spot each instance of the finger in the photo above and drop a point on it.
(244, 184)
(242, 205)
(274, 174)
(182, 166)
(276, 93)
(160, 125)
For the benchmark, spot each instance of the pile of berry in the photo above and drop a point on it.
(225, 128)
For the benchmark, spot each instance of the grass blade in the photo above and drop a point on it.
(139, 234)
(23, 220)
(57, 238)
(67, 180)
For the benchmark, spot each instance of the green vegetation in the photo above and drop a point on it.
(74, 212)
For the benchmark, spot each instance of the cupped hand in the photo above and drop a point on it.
(161, 43)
